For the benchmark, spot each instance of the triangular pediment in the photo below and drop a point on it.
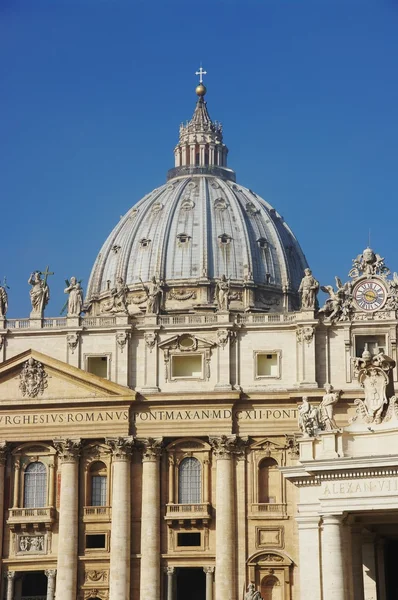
(186, 342)
(35, 377)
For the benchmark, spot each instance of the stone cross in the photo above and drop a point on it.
(46, 273)
(201, 72)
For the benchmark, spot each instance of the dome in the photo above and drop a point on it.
(198, 227)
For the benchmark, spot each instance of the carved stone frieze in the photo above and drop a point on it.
(96, 576)
(68, 450)
(32, 378)
(72, 340)
(151, 448)
(121, 447)
(150, 339)
(181, 294)
(305, 334)
(121, 339)
(31, 544)
(96, 593)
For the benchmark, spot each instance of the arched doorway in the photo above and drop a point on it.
(271, 588)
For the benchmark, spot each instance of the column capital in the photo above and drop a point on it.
(10, 575)
(68, 450)
(209, 570)
(170, 570)
(3, 452)
(50, 573)
(308, 521)
(151, 448)
(226, 446)
(121, 447)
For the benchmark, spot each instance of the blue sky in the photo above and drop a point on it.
(93, 92)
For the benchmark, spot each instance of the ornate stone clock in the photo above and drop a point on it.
(370, 294)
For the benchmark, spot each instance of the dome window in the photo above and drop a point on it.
(220, 204)
(262, 242)
(116, 248)
(224, 238)
(156, 208)
(187, 204)
(183, 238)
(144, 243)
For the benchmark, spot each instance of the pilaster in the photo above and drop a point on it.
(309, 556)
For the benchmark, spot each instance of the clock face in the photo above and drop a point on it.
(370, 295)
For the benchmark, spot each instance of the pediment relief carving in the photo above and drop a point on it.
(268, 446)
(186, 343)
(270, 557)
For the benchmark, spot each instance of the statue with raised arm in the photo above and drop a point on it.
(153, 291)
(75, 300)
(308, 418)
(223, 287)
(39, 292)
(308, 290)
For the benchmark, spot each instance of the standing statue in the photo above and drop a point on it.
(39, 292)
(223, 287)
(3, 301)
(118, 302)
(252, 593)
(326, 408)
(153, 291)
(75, 300)
(308, 289)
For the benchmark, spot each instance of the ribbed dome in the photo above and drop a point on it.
(198, 227)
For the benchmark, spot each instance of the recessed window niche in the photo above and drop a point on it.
(189, 366)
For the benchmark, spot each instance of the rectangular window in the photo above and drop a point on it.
(374, 343)
(267, 364)
(188, 539)
(98, 365)
(96, 541)
(98, 490)
(189, 366)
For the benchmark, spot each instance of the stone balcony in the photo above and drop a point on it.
(96, 514)
(268, 511)
(183, 514)
(22, 518)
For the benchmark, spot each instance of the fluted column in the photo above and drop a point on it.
(68, 452)
(150, 519)
(332, 559)
(224, 448)
(119, 572)
(10, 585)
(209, 582)
(50, 574)
(3, 458)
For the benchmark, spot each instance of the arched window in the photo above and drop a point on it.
(271, 588)
(35, 486)
(189, 481)
(98, 484)
(268, 481)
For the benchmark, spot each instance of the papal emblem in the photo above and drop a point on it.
(374, 375)
(32, 379)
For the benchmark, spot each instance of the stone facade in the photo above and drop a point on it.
(150, 449)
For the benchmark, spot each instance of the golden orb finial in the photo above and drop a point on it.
(200, 90)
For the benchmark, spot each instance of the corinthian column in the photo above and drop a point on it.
(224, 448)
(50, 574)
(10, 585)
(119, 573)
(68, 453)
(150, 519)
(3, 458)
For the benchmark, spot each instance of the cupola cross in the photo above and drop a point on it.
(201, 72)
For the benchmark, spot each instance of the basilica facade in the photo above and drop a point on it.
(197, 426)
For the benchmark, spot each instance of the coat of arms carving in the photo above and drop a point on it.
(32, 379)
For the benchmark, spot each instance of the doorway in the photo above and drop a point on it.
(34, 584)
(191, 584)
